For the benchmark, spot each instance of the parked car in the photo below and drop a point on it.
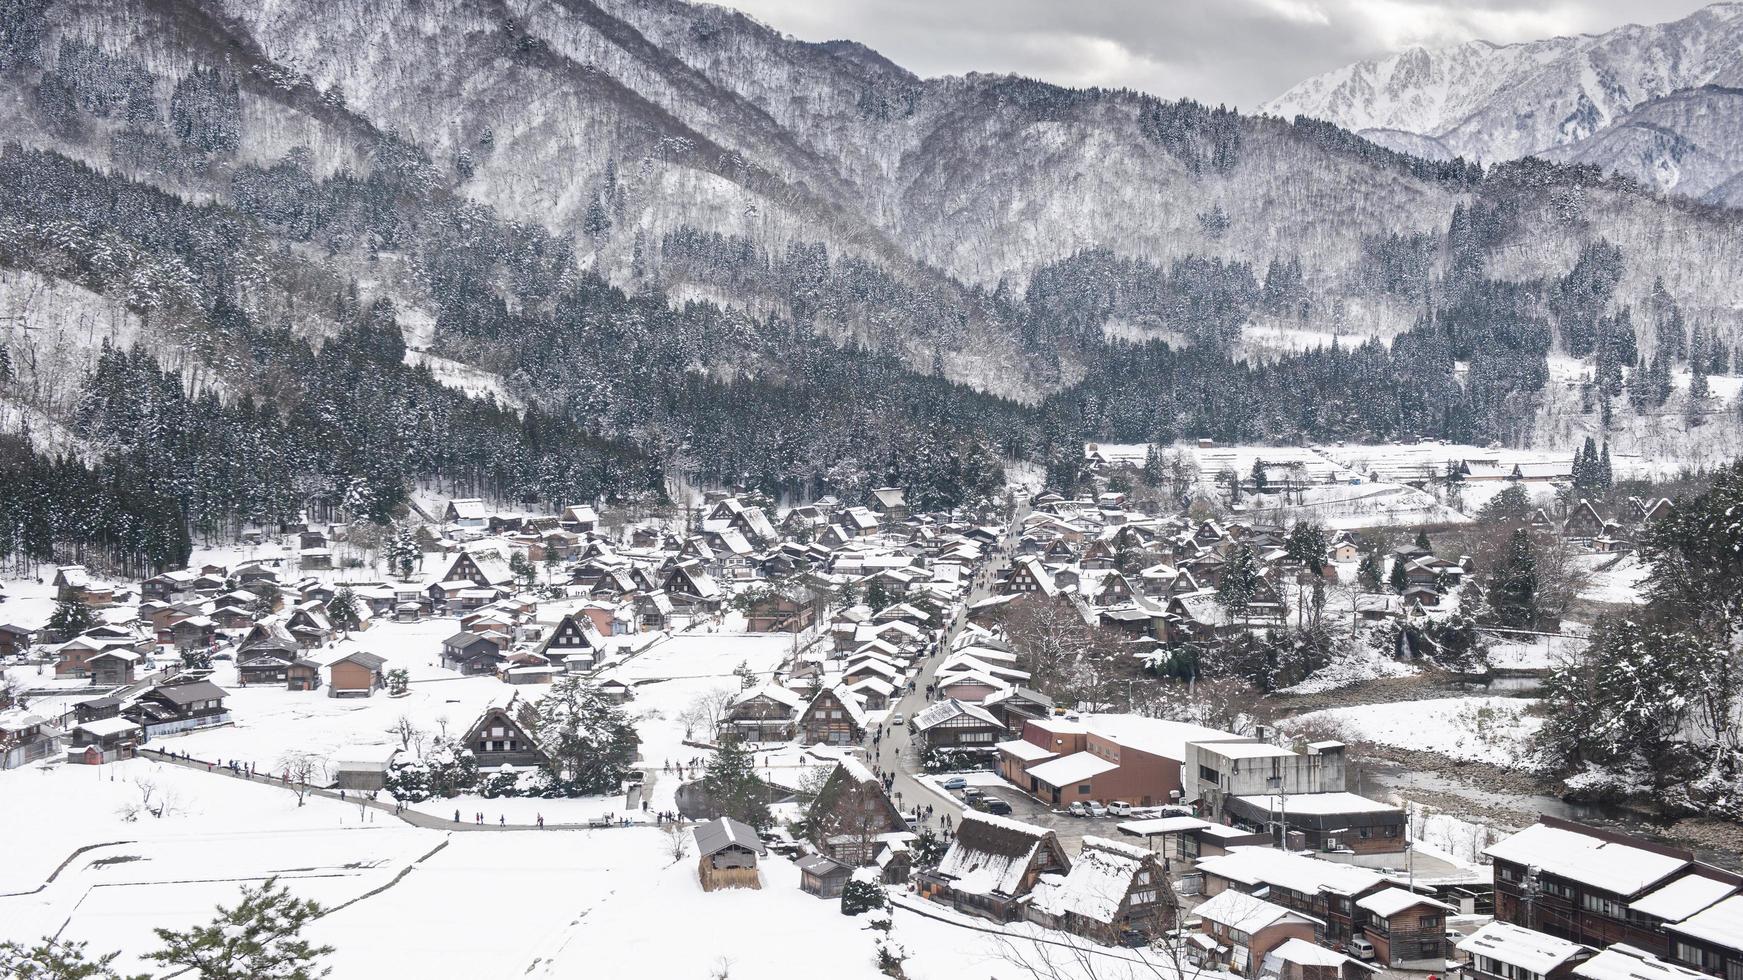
(1097, 810)
(896, 719)
(993, 804)
(1361, 949)
(972, 793)
(1120, 808)
(955, 782)
(1078, 809)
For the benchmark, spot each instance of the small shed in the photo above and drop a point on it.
(823, 876)
(727, 853)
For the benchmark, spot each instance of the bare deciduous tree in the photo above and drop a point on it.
(302, 772)
(407, 731)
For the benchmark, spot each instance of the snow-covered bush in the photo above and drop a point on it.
(863, 893)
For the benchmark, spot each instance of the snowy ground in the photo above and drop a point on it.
(493, 905)
(1494, 730)
(1533, 652)
(1352, 664)
(1619, 583)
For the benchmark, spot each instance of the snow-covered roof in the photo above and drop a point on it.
(1097, 883)
(1391, 901)
(1682, 898)
(1287, 869)
(1317, 804)
(105, 727)
(1243, 912)
(1156, 736)
(1521, 947)
(774, 692)
(1071, 769)
(1721, 924)
(723, 832)
(1305, 953)
(1596, 861)
(1621, 962)
(990, 854)
(951, 708)
(1249, 750)
(1162, 825)
(1025, 751)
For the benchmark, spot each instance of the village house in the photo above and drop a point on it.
(823, 876)
(179, 707)
(355, 674)
(467, 514)
(834, 717)
(15, 640)
(1406, 929)
(1600, 887)
(726, 854)
(1340, 826)
(951, 724)
(992, 865)
(470, 653)
(853, 821)
(26, 738)
(1113, 890)
(1299, 959)
(1503, 951)
(762, 714)
(574, 644)
(777, 612)
(503, 737)
(1321, 890)
(1242, 929)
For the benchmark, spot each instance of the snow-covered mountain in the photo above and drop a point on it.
(1497, 102)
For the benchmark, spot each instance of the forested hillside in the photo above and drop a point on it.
(257, 255)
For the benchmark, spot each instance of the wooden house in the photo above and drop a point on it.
(574, 644)
(1407, 929)
(852, 819)
(26, 738)
(503, 736)
(834, 717)
(762, 714)
(15, 640)
(823, 876)
(992, 866)
(113, 667)
(1504, 951)
(889, 503)
(356, 674)
(176, 707)
(1113, 889)
(1584, 523)
(1243, 929)
(951, 724)
(777, 612)
(726, 854)
(470, 653)
(690, 588)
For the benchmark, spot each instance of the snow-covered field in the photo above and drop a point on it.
(1494, 730)
(1614, 581)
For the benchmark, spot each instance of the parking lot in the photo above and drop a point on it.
(1071, 830)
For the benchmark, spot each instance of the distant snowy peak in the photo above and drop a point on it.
(1495, 102)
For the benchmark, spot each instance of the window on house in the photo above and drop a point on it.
(1206, 772)
(1604, 906)
(1083, 790)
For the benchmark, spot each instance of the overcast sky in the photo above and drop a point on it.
(1240, 52)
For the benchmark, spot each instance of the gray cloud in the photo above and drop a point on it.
(1240, 52)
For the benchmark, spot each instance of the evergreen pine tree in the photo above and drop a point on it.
(732, 787)
(70, 618)
(342, 611)
(1422, 539)
(1239, 582)
(259, 937)
(1368, 573)
(1512, 586)
(1398, 578)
